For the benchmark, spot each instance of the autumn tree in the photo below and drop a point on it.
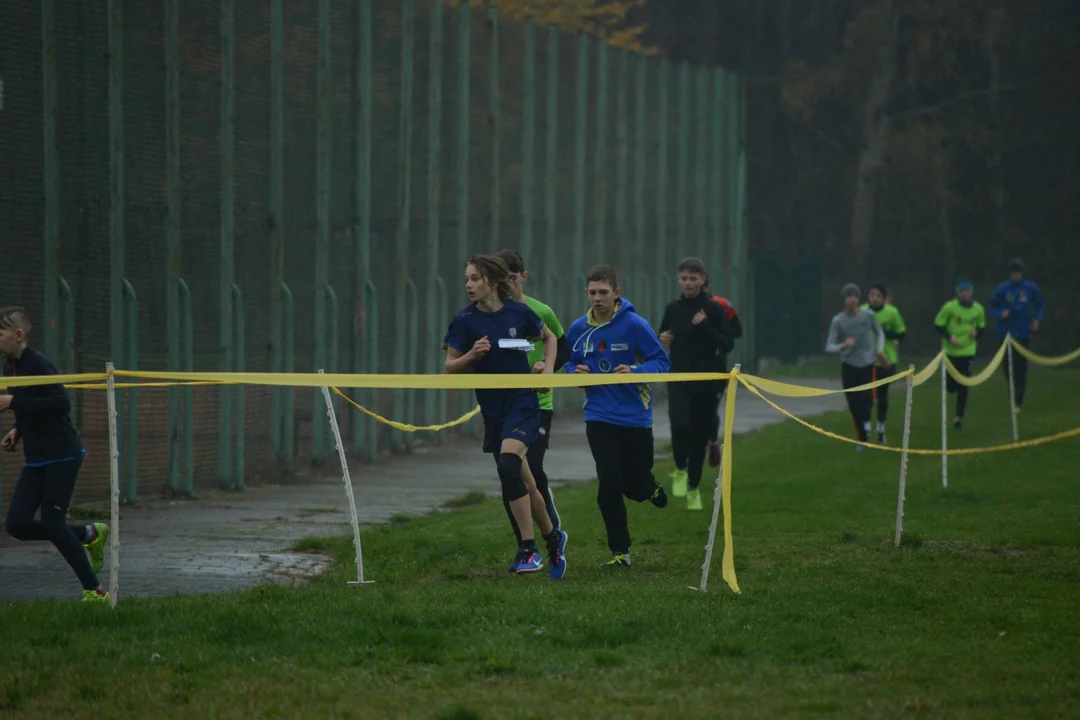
(610, 19)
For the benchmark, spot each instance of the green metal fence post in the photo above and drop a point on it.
(462, 151)
(228, 237)
(323, 180)
(435, 291)
(577, 273)
(173, 293)
(640, 261)
(441, 301)
(239, 338)
(277, 221)
(371, 363)
(662, 175)
(551, 154)
(494, 120)
(50, 118)
(404, 213)
(600, 159)
(116, 196)
(358, 420)
(620, 253)
(700, 244)
(67, 342)
(738, 253)
(528, 142)
(413, 340)
(682, 190)
(743, 249)
(187, 364)
(551, 151)
(130, 358)
(716, 198)
(731, 134)
(66, 357)
(288, 365)
(332, 310)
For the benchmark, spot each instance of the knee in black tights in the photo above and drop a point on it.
(513, 485)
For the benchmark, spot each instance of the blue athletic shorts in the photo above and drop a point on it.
(520, 420)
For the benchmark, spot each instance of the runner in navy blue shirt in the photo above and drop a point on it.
(493, 335)
(53, 453)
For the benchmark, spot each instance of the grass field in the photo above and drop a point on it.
(976, 615)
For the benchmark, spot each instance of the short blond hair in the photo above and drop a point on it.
(15, 318)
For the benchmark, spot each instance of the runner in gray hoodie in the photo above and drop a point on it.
(857, 337)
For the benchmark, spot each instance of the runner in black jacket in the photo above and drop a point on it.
(699, 336)
(53, 453)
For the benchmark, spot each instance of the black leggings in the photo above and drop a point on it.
(881, 394)
(714, 428)
(624, 462)
(861, 403)
(50, 487)
(963, 366)
(693, 417)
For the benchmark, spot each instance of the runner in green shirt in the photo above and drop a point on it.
(535, 455)
(961, 322)
(892, 324)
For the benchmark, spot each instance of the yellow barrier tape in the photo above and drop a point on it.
(728, 562)
(928, 372)
(426, 381)
(121, 386)
(32, 380)
(406, 426)
(1043, 359)
(1075, 432)
(984, 375)
(786, 390)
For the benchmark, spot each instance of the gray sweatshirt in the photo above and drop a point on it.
(869, 339)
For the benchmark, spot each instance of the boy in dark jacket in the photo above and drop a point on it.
(613, 338)
(699, 336)
(53, 453)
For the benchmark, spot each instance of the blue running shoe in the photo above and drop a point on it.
(529, 561)
(557, 555)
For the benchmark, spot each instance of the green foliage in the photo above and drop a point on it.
(609, 19)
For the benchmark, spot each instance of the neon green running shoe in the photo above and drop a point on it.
(693, 500)
(95, 596)
(618, 560)
(96, 546)
(678, 483)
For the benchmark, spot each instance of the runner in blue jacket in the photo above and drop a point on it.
(1017, 305)
(613, 338)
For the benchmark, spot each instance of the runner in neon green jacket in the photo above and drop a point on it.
(892, 324)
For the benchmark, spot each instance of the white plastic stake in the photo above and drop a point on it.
(331, 415)
(910, 383)
(717, 500)
(1012, 388)
(114, 488)
(944, 421)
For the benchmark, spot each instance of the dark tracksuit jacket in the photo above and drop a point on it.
(698, 348)
(42, 413)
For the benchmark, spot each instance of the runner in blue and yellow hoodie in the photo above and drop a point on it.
(613, 338)
(1017, 305)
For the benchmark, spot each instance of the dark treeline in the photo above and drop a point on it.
(910, 142)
